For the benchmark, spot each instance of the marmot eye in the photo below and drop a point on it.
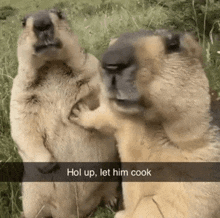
(23, 21)
(60, 14)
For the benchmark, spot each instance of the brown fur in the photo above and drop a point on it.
(46, 88)
(171, 126)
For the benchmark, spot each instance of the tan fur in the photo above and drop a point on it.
(46, 88)
(112, 41)
(174, 129)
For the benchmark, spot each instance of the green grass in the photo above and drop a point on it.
(95, 23)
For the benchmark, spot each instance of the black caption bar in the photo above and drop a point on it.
(110, 172)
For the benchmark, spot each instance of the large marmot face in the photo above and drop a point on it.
(44, 35)
(160, 72)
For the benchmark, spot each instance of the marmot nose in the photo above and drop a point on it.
(43, 23)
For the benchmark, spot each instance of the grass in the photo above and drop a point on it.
(95, 23)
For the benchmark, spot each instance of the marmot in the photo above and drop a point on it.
(53, 75)
(157, 104)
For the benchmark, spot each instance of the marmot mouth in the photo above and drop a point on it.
(125, 102)
(127, 106)
(42, 46)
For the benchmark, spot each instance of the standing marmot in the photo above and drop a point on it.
(158, 107)
(53, 75)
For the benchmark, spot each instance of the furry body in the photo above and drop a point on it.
(157, 105)
(53, 75)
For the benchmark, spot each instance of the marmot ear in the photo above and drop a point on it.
(59, 13)
(191, 47)
(24, 20)
(112, 41)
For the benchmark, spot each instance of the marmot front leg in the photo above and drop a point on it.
(101, 119)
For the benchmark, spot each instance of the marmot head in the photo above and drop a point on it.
(45, 35)
(161, 71)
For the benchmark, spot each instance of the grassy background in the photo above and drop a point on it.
(95, 22)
